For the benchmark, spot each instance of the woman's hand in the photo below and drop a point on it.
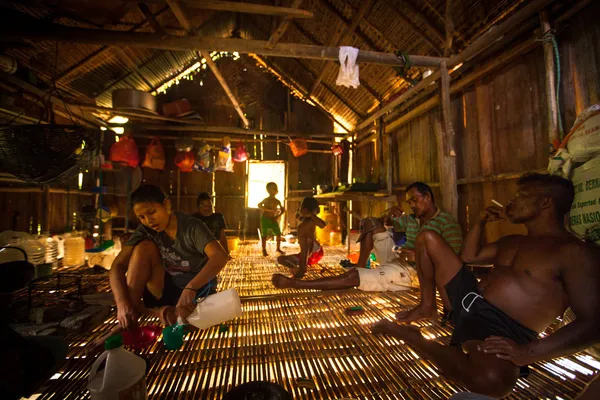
(186, 305)
(127, 315)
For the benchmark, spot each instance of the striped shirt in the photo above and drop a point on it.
(441, 223)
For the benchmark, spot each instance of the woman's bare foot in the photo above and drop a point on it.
(282, 281)
(418, 313)
(299, 272)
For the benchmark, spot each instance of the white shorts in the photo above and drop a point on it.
(387, 278)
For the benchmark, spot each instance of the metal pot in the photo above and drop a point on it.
(131, 99)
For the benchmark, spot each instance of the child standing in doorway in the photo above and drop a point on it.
(271, 211)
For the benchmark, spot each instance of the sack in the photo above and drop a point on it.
(125, 152)
(583, 142)
(584, 217)
(155, 155)
(224, 162)
(185, 161)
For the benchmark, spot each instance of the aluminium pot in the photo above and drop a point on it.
(136, 100)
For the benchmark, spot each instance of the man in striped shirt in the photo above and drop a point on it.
(396, 269)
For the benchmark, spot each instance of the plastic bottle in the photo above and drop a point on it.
(323, 235)
(215, 309)
(123, 376)
(74, 251)
(335, 238)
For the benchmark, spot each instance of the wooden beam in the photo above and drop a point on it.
(503, 59)
(40, 31)
(156, 27)
(447, 147)
(182, 19)
(550, 67)
(449, 29)
(81, 64)
(360, 14)
(282, 28)
(228, 129)
(239, 7)
(497, 32)
(134, 114)
(408, 22)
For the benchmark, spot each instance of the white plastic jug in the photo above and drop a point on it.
(215, 309)
(123, 376)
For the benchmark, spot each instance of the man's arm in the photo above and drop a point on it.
(581, 280)
(217, 258)
(474, 249)
(126, 312)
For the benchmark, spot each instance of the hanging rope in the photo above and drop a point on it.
(550, 37)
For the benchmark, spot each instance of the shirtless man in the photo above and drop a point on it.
(536, 277)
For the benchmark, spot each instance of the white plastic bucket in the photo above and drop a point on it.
(216, 309)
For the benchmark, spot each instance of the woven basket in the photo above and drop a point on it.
(299, 147)
(45, 154)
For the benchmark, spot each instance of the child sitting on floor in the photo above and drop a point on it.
(307, 215)
(271, 211)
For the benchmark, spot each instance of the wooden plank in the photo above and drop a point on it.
(447, 145)
(360, 14)
(42, 32)
(282, 28)
(230, 129)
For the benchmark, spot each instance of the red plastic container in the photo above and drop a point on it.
(142, 337)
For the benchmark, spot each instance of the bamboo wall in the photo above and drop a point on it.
(500, 124)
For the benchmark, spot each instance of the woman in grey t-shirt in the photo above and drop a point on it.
(169, 260)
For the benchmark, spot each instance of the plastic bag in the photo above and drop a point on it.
(583, 142)
(185, 161)
(349, 74)
(155, 155)
(224, 161)
(125, 152)
(203, 159)
(240, 154)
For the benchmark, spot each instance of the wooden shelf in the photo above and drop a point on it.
(357, 196)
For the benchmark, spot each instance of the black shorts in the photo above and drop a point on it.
(483, 319)
(171, 293)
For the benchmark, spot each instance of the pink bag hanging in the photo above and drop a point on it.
(155, 155)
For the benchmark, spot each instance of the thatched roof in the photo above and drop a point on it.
(91, 72)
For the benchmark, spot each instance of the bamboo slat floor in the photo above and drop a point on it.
(284, 336)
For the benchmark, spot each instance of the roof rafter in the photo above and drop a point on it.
(282, 28)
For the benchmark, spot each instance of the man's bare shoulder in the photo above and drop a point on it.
(574, 250)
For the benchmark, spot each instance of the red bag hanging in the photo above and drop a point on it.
(155, 155)
(240, 154)
(185, 160)
(125, 152)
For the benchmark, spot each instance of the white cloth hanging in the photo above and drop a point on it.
(348, 75)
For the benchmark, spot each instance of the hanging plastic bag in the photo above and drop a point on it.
(349, 74)
(185, 161)
(224, 161)
(125, 152)
(298, 147)
(240, 154)
(203, 158)
(155, 155)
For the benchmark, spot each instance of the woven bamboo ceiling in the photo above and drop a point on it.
(90, 72)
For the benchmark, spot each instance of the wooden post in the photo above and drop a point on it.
(390, 171)
(447, 148)
(449, 29)
(551, 100)
(382, 171)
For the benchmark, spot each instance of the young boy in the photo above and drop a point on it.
(307, 215)
(271, 211)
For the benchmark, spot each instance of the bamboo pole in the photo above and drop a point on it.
(38, 31)
(550, 68)
(240, 7)
(230, 129)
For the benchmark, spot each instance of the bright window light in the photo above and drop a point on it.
(117, 119)
(261, 173)
(119, 130)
